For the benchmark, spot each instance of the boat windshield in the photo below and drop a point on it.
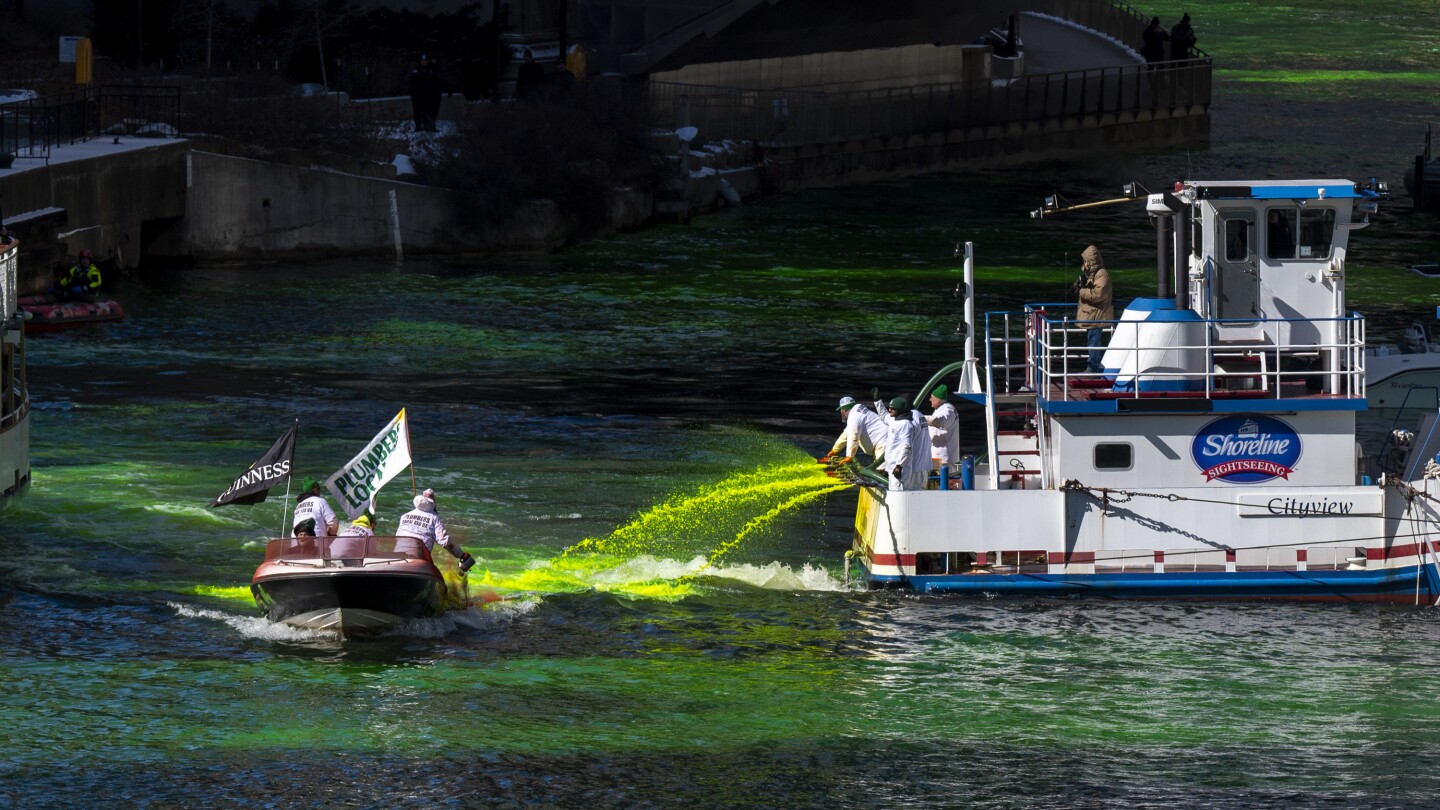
(346, 548)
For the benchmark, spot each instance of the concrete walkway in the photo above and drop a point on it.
(1055, 46)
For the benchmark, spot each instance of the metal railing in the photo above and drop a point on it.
(31, 128)
(14, 390)
(1199, 364)
(1118, 19)
(784, 117)
(9, 281)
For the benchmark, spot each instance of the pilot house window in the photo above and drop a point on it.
(1299, 233)
(1114, 456)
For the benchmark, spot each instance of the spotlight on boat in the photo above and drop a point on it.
(1050, 206)
(1133, 189)
(1375, 186)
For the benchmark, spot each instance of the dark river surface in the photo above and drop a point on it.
(663, 392)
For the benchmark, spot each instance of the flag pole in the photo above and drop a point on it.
(289, 479)
(412, 453)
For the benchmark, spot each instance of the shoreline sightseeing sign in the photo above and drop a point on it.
(1246, 449)
(386, 456)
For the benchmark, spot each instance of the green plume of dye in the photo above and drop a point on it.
(707, 524)
(761, 521)
(717, 513)
(236, 593)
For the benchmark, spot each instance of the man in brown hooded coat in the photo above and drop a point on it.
(1096, 305)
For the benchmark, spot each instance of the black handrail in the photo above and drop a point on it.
(31, 128)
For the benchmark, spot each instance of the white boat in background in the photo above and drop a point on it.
(1216, 454)
(14, 395)
(1406, 375)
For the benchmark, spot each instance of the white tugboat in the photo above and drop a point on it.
(14, 398)
(1214, 457)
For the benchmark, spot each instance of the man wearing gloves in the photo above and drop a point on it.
(1093, 288)
(865, 431)
(423, 525)
(907, 449)
(944, 427)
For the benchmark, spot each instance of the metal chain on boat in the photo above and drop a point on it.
(1126, 495)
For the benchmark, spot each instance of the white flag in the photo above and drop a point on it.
(387, 455)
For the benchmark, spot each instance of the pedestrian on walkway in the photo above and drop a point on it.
(1155, 36)
(1182, 39)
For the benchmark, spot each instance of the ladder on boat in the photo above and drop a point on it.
(1014, 432)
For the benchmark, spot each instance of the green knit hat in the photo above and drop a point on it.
(940, 391)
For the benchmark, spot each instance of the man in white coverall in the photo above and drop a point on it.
(907, 450)
(944, 423)
(352, 539)
(313, 506)
(865, 431)
(423, 525)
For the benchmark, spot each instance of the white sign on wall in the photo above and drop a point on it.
(67, 48)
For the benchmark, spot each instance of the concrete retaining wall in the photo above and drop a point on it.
(91, 199)
(241, 208)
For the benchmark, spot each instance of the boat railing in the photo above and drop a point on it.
(14, 395)
(1007, 346)
(322, 549)
(1192, 358)
(9, 282)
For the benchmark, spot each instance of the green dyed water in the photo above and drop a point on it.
(622, 433)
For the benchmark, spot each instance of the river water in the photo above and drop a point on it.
(660, 395)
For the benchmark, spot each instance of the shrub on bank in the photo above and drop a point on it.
(573, 145)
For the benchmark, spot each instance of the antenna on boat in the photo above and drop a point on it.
(970, 374)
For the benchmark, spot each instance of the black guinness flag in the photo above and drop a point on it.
(271, 469)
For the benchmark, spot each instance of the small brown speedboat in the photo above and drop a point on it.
(347, 585)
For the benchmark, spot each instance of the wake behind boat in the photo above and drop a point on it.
(347, 585)
(1215, 454)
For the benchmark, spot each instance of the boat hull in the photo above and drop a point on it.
(348, 601)
(15, 455)
(1067, 544)
(1406, 381)
(1398, 585)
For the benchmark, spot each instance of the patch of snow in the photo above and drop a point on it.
(403, 166)
(728, 192)
(686, 134)
(157, 129)
(703, 172)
